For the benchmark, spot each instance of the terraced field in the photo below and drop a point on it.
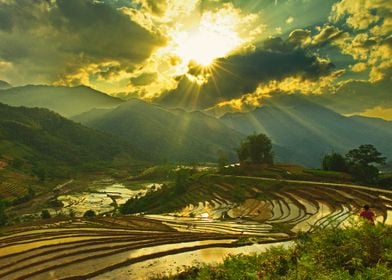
(216, 212)
(274, 205)
(85, 249)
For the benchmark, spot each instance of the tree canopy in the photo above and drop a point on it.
(334, 162)
(362, 163)
(365, 155)
(257, 148)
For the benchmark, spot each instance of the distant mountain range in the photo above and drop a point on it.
(308, 131)
(301, 131)
(67, 101)
(173, 135)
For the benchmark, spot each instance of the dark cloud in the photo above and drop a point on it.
(237, 75)
(358, 96)
(48, 39)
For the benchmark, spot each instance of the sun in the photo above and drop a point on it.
(206, 43)
(203, 46)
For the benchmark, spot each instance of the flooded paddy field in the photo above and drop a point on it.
(103, 197)
(142, 245)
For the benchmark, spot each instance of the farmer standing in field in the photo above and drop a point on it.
(367, 214)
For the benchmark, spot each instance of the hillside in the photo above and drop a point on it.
(307, 131)
(67, 101)
(4, 85)
(167, 135)
(38, 139)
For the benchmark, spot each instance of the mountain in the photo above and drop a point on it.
(307, 130)
(173, 135)
(4, 85)
(67, 101)
(39, 138)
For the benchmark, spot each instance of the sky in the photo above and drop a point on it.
(215, 55)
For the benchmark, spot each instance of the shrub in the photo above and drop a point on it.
(89, 214)
(45, 214)
(3, 216)
(361, 251)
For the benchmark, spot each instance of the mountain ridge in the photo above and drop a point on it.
(172, 135)
(67, 101)
(310, 130)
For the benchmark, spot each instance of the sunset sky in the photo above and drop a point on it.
(212, 54)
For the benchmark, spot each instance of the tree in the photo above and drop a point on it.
(257, 148)
(334, 162)
(365, 155)
(89, 214)
(45, 214)
(362, 163)
(182, 180)
(222, 160)
(3, 215)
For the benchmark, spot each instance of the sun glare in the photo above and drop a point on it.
(203, 46)
(211, 40)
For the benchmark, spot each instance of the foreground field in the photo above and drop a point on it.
(358, 251)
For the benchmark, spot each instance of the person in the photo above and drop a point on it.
(368, 214)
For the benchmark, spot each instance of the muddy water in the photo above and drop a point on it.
(176, 263)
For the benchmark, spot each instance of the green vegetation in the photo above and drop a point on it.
(45, 214)
(257, 149)
(89, 214)
(334, 162)
(302, 130)
(3, 215)
(361, 251)
(182, 180)
(222, 160)
(360, 163)
(43, 145)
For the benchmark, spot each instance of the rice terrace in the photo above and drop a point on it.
(196, 139)
(217, 212)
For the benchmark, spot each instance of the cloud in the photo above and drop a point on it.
(359, 67)
(328, 34)
(144, 79)
(367, 40)
(241, 74)
(299, 37)
(360, 14)
(354, 96)
(49, 41)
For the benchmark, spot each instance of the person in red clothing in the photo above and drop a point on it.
(367, 214)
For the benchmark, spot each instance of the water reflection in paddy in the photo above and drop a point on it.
(102, 199)
(172, 264)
